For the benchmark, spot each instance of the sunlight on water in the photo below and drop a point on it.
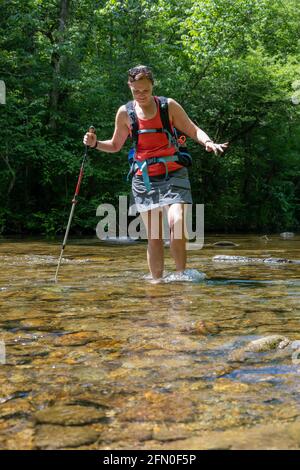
(104, 359)
(189, 275)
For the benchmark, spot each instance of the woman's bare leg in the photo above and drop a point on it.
(155, 252)
(177, 237)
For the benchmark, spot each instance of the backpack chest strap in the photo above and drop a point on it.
(171, 139)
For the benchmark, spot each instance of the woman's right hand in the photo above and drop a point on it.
(90, 138)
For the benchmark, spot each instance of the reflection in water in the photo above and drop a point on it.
(103, 359)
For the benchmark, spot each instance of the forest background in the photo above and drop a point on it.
(234, 65)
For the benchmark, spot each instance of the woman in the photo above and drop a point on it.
(156, 185)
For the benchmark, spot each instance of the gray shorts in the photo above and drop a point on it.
(175, 189)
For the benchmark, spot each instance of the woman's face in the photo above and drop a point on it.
(142, 91)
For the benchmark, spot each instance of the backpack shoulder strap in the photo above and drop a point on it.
(134, 123)
(164, 113)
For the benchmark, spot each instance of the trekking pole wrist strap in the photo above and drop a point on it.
(95, 146)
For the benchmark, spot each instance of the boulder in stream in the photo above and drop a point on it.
(268, 343)
(265, 344)
(249, 259)
(224, 243)
(287, 235)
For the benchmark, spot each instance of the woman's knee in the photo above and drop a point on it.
(176, 220)
(153, 223)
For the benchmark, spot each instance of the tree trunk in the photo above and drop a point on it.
(56, 62)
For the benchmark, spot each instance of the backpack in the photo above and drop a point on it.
(175, 137)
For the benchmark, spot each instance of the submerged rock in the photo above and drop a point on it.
(277, 260)
(295, 345)
(224, 243)
(59, 437)
(249, 259)
(70, 415)
(79, 338)
(202, 327)
(119, 241)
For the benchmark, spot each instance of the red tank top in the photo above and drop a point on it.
(154, 145)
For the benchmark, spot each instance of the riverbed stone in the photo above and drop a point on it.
(295, 345)
(224, 243)
(250, 259)
(202, 327)
(21, 440)
(59, 437)
(165, 433)
(69, 415)
(229, 386)
(132, 431)
(159, 408)
(260, 437)
(79, 338)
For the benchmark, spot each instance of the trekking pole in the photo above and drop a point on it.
(74, 202)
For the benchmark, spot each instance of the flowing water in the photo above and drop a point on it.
(104, 359)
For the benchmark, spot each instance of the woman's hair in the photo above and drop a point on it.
(140, 72)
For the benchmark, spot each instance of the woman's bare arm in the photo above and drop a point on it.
(118, 139)
(181, 121)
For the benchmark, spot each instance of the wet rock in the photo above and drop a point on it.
(287, 235)
(119, 241)
(224, 243)
(238, 355)
(295, 345)
(75, 339)
(235, 259)
(32, 323)
(70, 415)
(229, 386)
(59, 437)
(18, 408)
(207, 327)
(170, 433)
(202, 327)
(159, 408)
(265, 344)
(21, 440)
(277, 260)
(132, 432)
(265, 237)
(247, 259)
(271, 436)
(268, 343)
(10, 390)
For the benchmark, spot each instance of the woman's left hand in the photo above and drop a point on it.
(216, 148)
